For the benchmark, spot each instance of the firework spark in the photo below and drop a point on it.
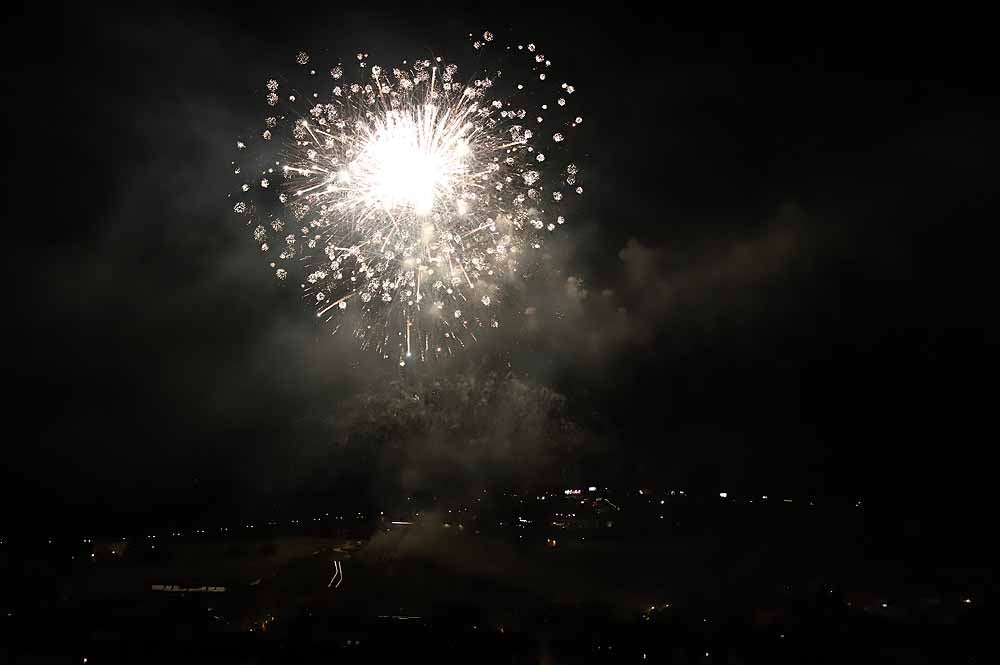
(410, 196)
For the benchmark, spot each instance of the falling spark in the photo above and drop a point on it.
(408, 197)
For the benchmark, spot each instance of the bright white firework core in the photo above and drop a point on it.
(409, 197)
(410, 160)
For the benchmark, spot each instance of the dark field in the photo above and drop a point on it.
(709, 583)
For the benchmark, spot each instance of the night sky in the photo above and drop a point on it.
(780, 278)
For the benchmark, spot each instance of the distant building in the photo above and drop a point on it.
(183, 588)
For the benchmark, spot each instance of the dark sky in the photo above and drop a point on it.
(780, 278)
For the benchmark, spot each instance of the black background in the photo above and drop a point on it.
(809, 293)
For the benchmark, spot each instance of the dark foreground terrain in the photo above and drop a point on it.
(701, 584)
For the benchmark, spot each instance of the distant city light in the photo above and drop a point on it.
(723, 494)
(592, 488)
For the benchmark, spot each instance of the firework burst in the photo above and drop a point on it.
(406, 199)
